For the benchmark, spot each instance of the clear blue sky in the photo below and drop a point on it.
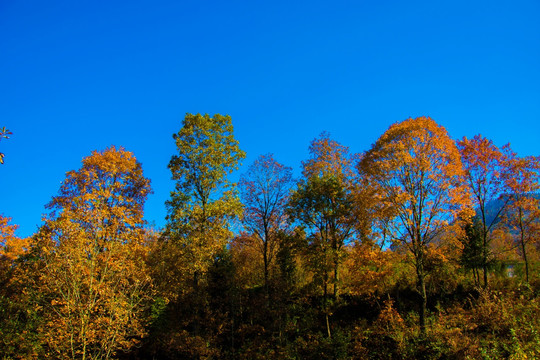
(76, 76)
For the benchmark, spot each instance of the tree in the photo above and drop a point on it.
(486, 169)
(95, 283)
(323, 203)
(19, 315)
(523, 215)
(328, 157)
(204, 203)
(264, 191)
(10, 245)
(472, 253)
(416, 169)
(329, 177)
(4, 134)
(370, 269)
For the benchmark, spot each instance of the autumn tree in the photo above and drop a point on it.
(94, 280)
(264, 192)
(247, 258)
(10, 250)
(329, 175)
(10, 247)
(523, 215)
(322, 202)
(486, 169)
(18, 318)
(370, 269)
(416, 169)
(20, 315)
(204, 202)
(4, 134)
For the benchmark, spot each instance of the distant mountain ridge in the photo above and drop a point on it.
(494, 206)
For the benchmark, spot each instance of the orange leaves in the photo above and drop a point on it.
(94, 257)
(110, 185)
(498, 180)
(415, 167)
(328, 157)
(485, 168)
(7, 233)
(370, 269)
(390, 318)
(11, 246)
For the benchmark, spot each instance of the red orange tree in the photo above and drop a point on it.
(523, 216)
(416, 170)
(486, 169)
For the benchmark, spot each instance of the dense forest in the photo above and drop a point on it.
(421, 247)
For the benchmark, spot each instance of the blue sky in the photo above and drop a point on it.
(76, 76)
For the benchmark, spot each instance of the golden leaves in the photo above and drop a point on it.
(204, 203)
(416, 167)
(11, 246)
(94, 259)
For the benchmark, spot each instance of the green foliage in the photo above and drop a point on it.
(209, 298)
(472, 253)
(323, 205)
(203, 203)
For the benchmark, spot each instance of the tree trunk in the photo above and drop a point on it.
(336, 263)
(423, 295)
(522, 240)
(525, 257)
(328, 325)
(197, 302)
(325, 302)
(265, 258)
(484, 260)
(484, 245)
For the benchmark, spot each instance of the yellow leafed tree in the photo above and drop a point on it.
(94, 276)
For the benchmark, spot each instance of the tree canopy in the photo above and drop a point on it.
(375, 255)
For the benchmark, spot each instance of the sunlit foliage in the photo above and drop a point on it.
(486, 169)
(364, 257)
(94, 280)
(204, 203)
(416, 170)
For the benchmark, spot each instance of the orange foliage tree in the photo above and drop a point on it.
(486, 168)
(523, 216)
(370, 269)
(10, 245)
(95, 280)
(415, 169)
